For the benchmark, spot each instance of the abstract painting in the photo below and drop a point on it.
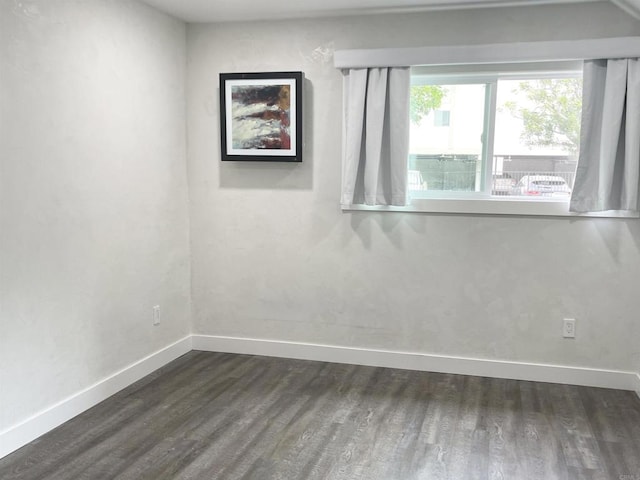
(261, 116)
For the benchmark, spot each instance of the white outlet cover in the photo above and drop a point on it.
(569, 328)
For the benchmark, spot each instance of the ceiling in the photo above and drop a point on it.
(238, 10)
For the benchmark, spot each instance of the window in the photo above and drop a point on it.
(441, 118)
(496, 185)
(512, 132)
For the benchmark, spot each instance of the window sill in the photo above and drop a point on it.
(492, 206)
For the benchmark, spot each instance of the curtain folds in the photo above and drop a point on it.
(608, 173)
(376, 136)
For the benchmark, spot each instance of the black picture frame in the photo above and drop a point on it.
(261, 116)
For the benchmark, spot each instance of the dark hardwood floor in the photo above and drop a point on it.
(222, 416)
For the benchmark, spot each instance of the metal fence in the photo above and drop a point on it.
(462, 172)
(568, 177)
(508, 182)
(502, 184)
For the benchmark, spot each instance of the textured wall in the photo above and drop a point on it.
(274, 257)
(93, 205)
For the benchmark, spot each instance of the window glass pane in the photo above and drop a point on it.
(447, 122)
(441, 118)
(537, 134)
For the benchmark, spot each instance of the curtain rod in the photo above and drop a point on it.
(557, 50)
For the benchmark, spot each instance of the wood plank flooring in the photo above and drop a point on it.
(223, 416)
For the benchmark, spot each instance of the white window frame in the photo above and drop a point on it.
(484, 58)
(467, 202)
(487, 136)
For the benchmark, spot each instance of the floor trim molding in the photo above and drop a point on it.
(33, 427)
(420, 361)
(30, 429)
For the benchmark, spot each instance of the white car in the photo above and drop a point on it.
(542, 186)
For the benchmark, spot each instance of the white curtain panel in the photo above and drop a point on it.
(376, 136)
(608, 174)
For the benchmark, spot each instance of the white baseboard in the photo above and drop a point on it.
(419, 361)
(28, 430)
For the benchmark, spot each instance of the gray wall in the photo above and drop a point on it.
(273, 257)
(93, 194)
(94, 208)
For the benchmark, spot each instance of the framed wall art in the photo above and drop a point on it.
(261, 116)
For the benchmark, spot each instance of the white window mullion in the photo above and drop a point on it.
(489, 134)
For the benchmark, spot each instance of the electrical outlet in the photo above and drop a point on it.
(156, 315)
(569, 328)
